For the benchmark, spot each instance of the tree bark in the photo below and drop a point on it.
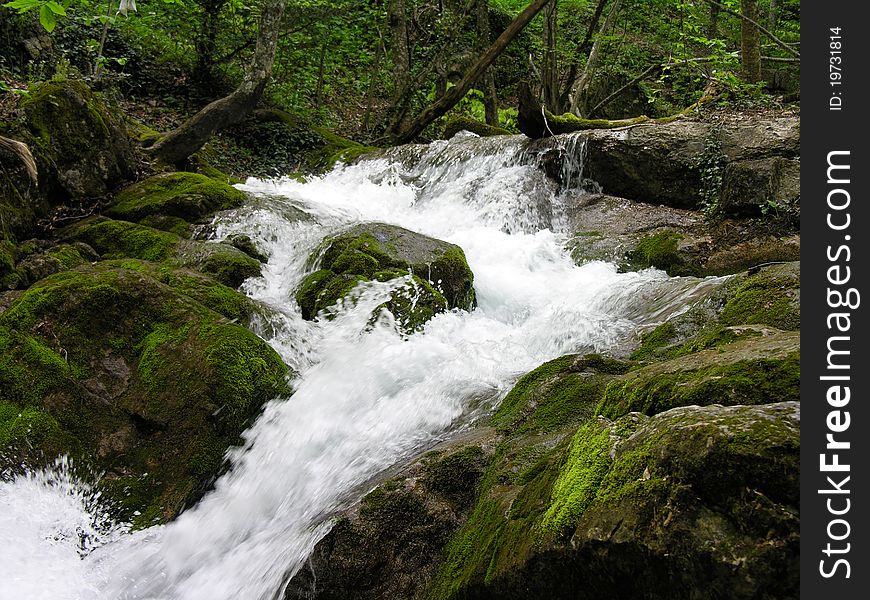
(582, 49)
(398, 21)
(205, 40)
(582, 83)
(457, 92)
(490, 95)
(750, 42)
(196, 131)
(549, 75)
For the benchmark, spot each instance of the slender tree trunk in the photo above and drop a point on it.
(772, 15)
(490, 96)
(750, 42)
(457, 92)
(196, 131)
(205, 41)
(582, 50)
(582, 83)
(401, 51)
(549, 75)
(713, 30)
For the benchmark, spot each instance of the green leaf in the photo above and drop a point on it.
(22, 5)
(47, 18)
(56, 8)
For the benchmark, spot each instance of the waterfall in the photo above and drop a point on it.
(367, 396)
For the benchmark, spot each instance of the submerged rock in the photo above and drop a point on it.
(441, 278)
(136, 370)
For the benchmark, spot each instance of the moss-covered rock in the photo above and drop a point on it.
(441, 278)
(188, 196)
(769, 296)
(653, 507)
(130, 368)
(20, 201)
(462, 123)
(54, 260)
(389, 545)
(82, 148)
(757, 369)
(560, 392)
(660, 250)
(122, 239)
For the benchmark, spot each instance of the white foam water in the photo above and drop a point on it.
(367, 395)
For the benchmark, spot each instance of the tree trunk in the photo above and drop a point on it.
(713, 30)
(457, 92)
(401, 52)
(196, 131)
(750, 42)
(549, 74)
(772, 15)
(205, 41)
(582, 50)
(490, 96)
(585, 78)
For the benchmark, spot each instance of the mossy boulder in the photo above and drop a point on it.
(81, 145)
(122, 239)
(759, 368)
(439, 274)
(53, 260)
(653, 507)
(137, 371)
(768, 296)
(560, 392)
(188, 196)
(389, 545)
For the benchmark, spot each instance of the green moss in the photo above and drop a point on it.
(455, 476)
(29, 370)
(558, 393)
(23, 429)
(355, 263)
(652, 342)
(231, 268)
(660, 251)
(246, 245)
(248, 373)
(175, 225)
(121, 239)
(568, 123)
(138, 376)
(754, 381)
(462, 123)
(452, 266)
(502, 530)
(189, 196)
(70, 255)
(53, 102)
(308, 293)
(414, 304)
(577, 485)
(767, 298)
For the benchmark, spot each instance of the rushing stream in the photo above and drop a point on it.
(366, 397)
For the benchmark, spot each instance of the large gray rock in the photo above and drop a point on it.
(679, 164)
